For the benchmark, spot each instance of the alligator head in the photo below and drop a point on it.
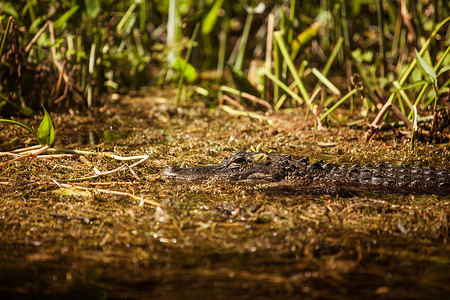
(240, 167)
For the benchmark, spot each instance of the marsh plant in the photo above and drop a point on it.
(326, 57)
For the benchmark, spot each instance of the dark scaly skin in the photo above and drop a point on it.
(317, 177)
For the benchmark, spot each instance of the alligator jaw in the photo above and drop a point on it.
(241, 167)
(189, 174)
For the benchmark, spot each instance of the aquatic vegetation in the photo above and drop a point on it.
(45, 134)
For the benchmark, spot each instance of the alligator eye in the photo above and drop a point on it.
(239, 160)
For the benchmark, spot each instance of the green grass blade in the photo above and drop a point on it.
(326, 82)
(121, 25)
(223, 37)
(243, 44)
(402, 94)
(20, 125)
(443, 70)
(9, 9)
(287, 58)
(232, 111)
(5, 35)
(192, 71)
(409, 86)
(284, 87)
(333, 55)
(211, 18)
(444, 86)
(61, 21)
(337, 104)
(381, 36)
(173, 32)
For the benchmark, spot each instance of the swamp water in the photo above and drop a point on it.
(211, 241)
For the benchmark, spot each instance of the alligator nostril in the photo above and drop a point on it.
(170, 171)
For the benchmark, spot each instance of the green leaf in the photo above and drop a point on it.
(193, 18)
(242, 83)
(19, 124)
(259, 147)
(46, 133)
(92, 8)
(9, 9)
(61, 21)
(278, 35)
(443, 70)
(326, 82)
(180, 65)
(210, 20)
(426, 69)
(410, 86)
(337, 104)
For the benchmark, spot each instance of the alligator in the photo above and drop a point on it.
(301, 176)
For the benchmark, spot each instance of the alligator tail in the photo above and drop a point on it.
(401, 179)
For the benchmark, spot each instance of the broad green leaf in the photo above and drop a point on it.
(61, 21)
(92, 8)
(190, 74)
(46, 133)
(426, 69)
(210, 20)
(18, 124)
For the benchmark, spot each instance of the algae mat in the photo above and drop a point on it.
(159, 239)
